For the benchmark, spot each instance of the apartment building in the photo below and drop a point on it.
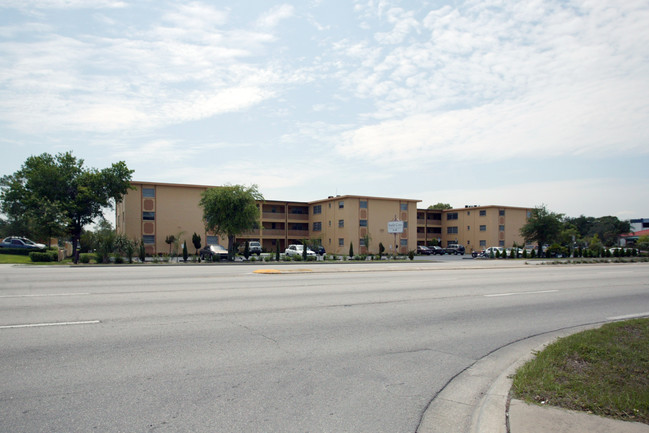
(475, 227)
(153, 211)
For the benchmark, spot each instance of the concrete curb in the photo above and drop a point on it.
(475, 401)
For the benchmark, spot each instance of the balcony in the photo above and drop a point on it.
(298, 216)
(273, 232)
(273, 216)
(301, 234)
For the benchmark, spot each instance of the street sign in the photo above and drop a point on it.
(395, 226)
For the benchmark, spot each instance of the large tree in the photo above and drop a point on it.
(59, 191)
(231, 210)
(542, 227)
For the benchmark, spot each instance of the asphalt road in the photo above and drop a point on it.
(218, 348)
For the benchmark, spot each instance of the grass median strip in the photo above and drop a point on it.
(603, 371)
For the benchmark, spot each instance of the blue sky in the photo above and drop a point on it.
(466, 102)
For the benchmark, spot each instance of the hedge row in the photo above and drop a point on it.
(19, 251)
(46, 256)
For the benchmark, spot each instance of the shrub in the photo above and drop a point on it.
(411, 255)
(533, 254)
(118, 259)
(85, 257)
(37, 256)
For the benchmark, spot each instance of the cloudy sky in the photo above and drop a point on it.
(517, 103)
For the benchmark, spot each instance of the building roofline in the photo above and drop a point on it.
(484, 207)
(339, 197)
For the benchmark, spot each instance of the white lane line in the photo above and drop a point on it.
(43, 295)
(520, 293)
(37, 325)
(628, 316)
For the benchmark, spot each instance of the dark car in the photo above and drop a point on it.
(21, 243)
(213, 252)
(319, 250)
(455, 249)
(435, 250)
(421, 249)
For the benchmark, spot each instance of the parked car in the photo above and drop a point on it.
(319, 250)
(254, 247)
(20, 242)
(421, 249)
(435, 250)
(296, 250)
(213, 252)
(492, 251)
(455, 249)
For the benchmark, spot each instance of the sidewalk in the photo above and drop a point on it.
(475, 401)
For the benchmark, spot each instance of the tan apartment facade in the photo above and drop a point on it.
(475, 227)
(153, 211)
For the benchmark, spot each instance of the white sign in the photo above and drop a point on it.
(395, 227)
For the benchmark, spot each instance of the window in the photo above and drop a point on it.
(341, 204)
(404, 206)
(404, 242)
(434, 216)
(148, 192)
(361, 242)
(329, 223)
(501, 212)
(501, 228)
(148, 239)
(362, 223)
(317, 209)
(212, 240)
(468, 228)
(317, 226)
(529, 214)
(501, 243)
(341, 242)
(483, 213)
(483, 243)
(451, 216)
(363, 204)
(148, 216)
(341, 223)
(451, 230)
(483, 228)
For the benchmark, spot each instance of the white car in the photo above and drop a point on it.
(297, 250)
(492, 250)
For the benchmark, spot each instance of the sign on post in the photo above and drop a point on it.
(395, 227)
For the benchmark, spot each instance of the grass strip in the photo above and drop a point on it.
(603, 371)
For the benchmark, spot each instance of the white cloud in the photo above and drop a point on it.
(274, 16)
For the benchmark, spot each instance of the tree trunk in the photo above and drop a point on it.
(230, 247)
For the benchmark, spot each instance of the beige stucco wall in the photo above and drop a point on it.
(469, 222)
(378, 213)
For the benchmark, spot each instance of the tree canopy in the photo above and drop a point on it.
(440, 206)
(231, 210)
(542, 227)
(59, 193)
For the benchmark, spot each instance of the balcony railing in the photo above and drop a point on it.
(302, 234)
(273, 216)
(298, 216)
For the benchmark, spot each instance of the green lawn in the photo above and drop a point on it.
(604, 371)
(13, 259)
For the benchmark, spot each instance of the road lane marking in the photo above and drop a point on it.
(628, 316)
(520, 293)
(38, 325)
(43, 295)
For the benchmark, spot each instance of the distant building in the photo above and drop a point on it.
(152, 211)
(639, 224)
